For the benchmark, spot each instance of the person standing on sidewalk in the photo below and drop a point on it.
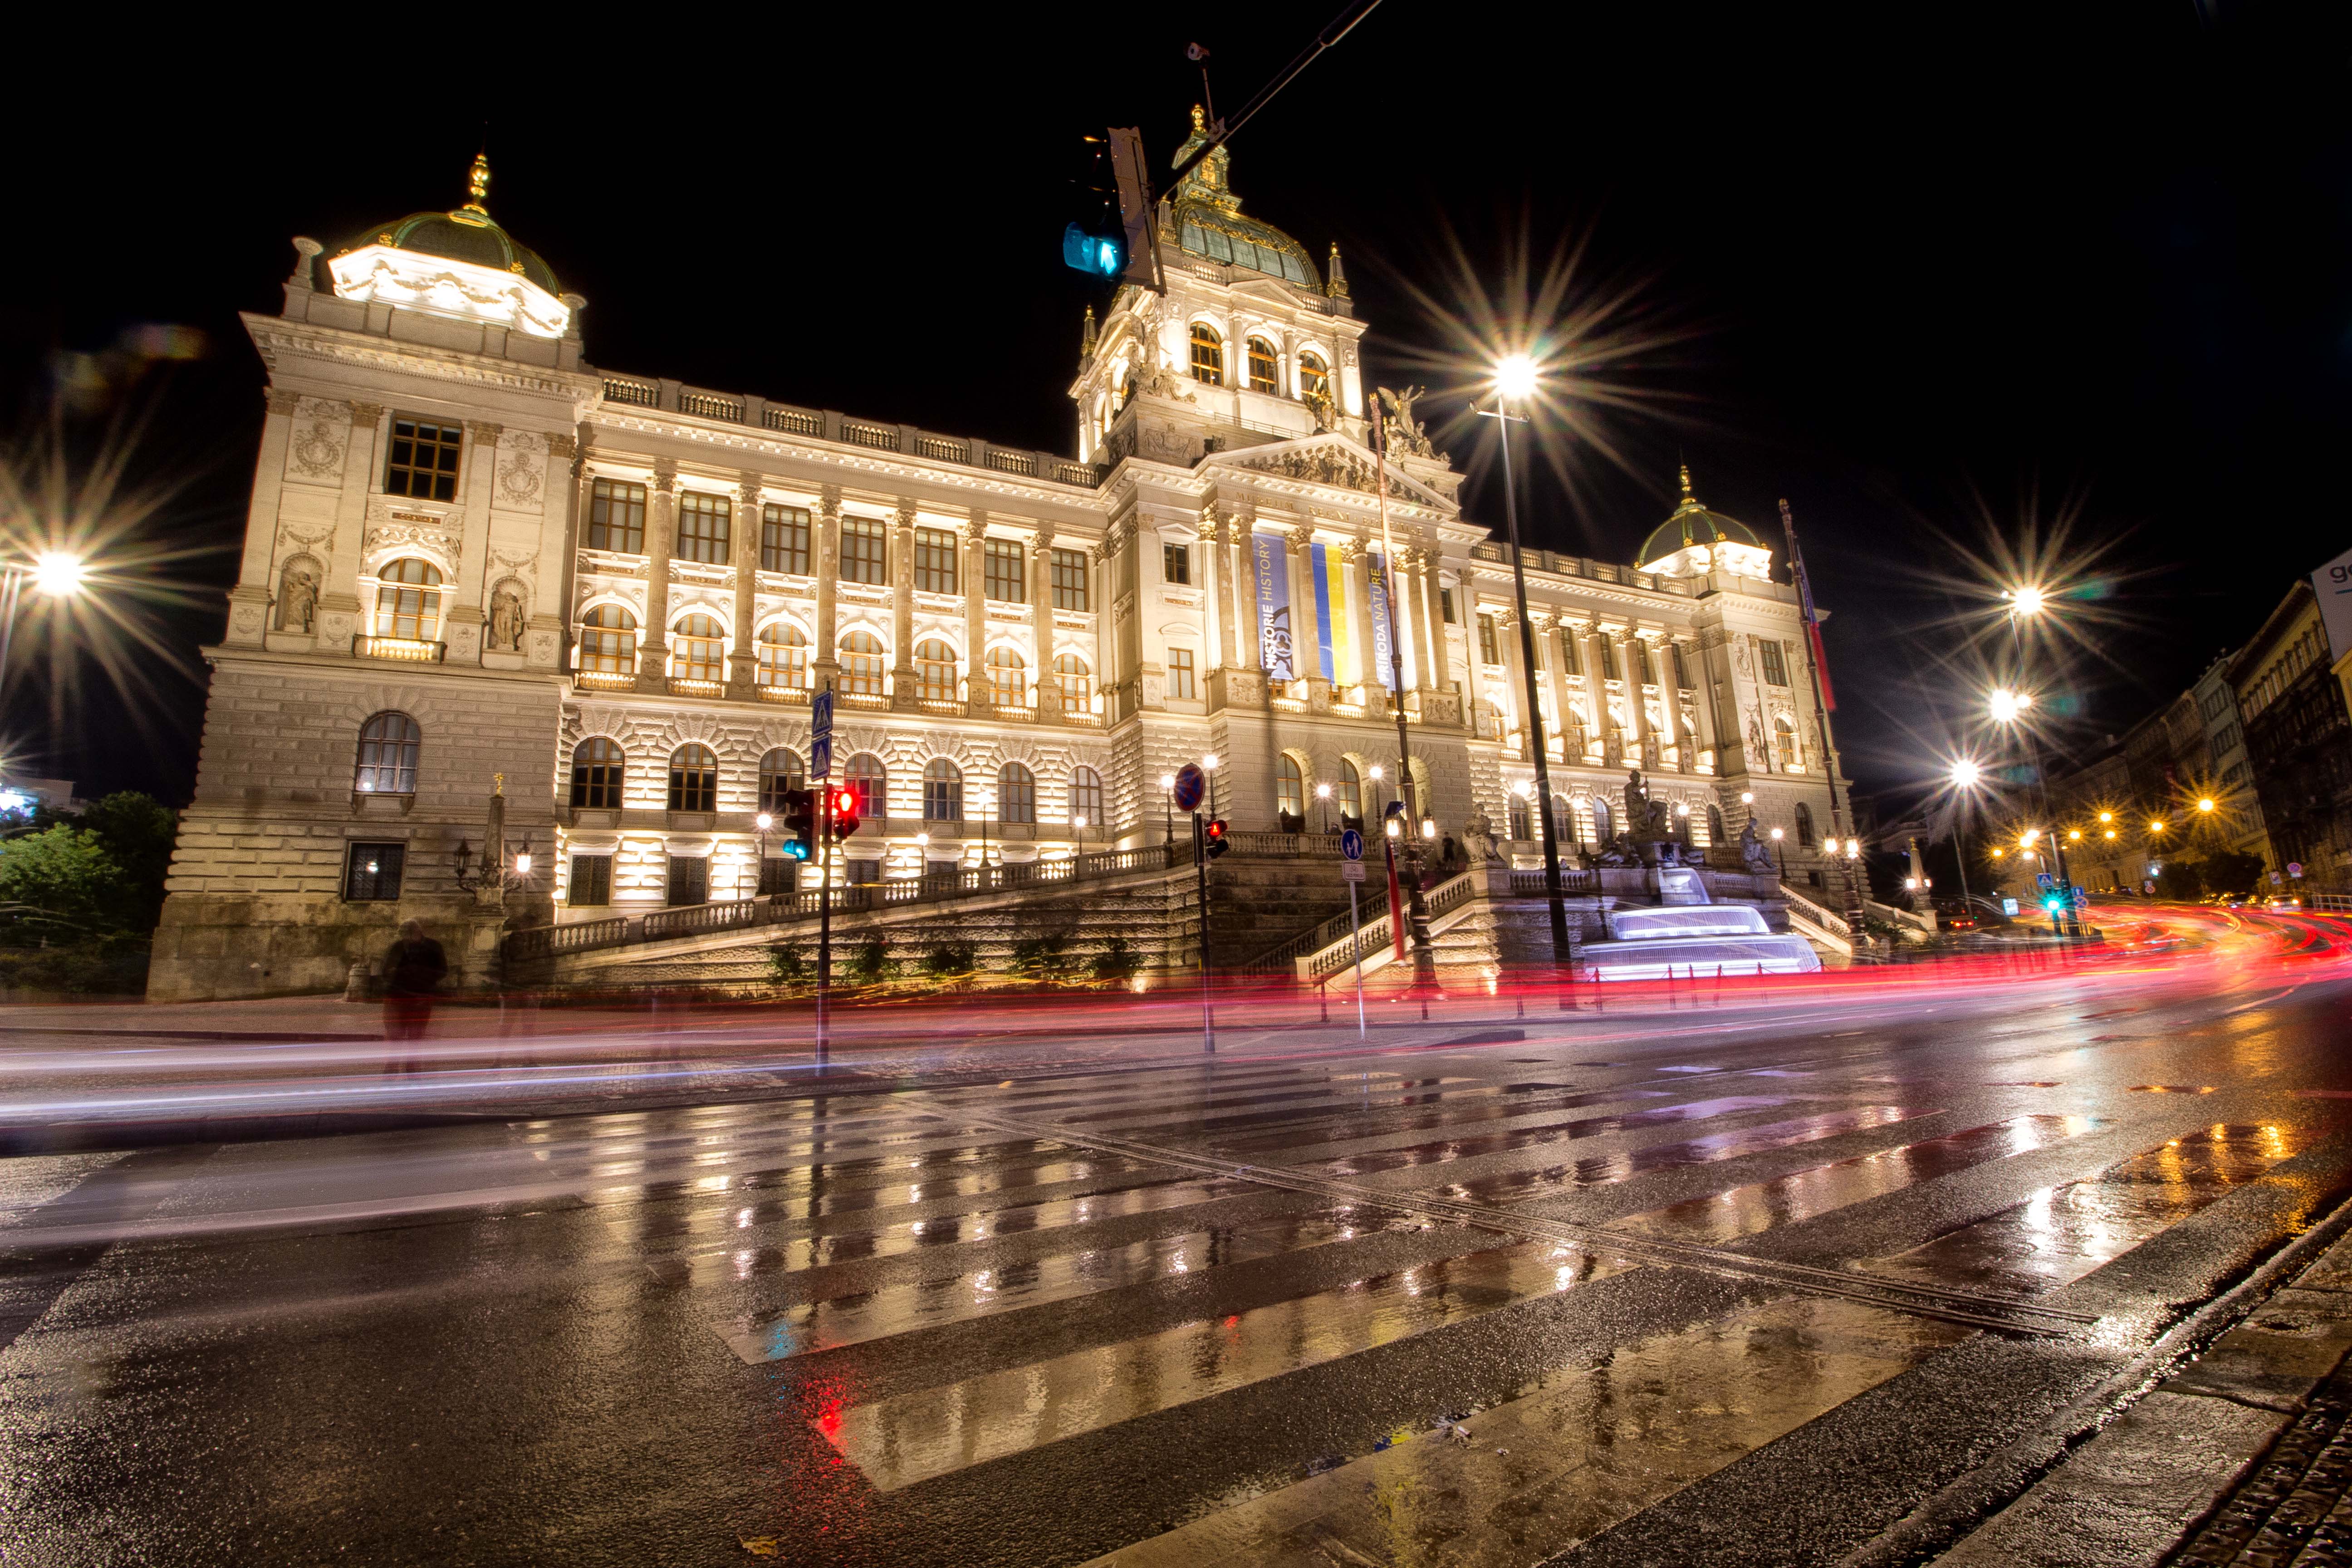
(413, 971)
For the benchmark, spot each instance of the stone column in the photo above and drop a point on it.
(1438, 673)
(1473, 673)
(975, 610)
(469, 591)
(553, 614)
(825, 668)
(1216, 633)
(902, 617)
(1041, 625)
(1629, 659)
(1596, 686)
(1305, 630)
(1552, 638)
(1101, 575)
(1514, 676)
(339, 606)
(250, 601)
(661, 538)
(742, 663)
(1686, 742)
(1249, 652)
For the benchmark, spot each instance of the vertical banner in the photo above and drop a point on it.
(1331, 618)
(1376, 576)
(1272, 554)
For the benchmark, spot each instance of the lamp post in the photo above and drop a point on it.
(1782, 850)
(2025, 602)
(58, 574)
(1379, 796)
(1323, 801)
(760, 862)
(1168, 808)
(1515, 377)
(1966, 775)
(1416, 910)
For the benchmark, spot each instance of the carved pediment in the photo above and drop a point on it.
(1328, 459)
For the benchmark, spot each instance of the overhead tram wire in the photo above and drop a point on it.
(1220, 132)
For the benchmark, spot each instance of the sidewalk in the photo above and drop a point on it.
(2243, 1455)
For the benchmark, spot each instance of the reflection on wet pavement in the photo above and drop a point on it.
(2062, 1233)
(910, 1437)
(1554, 1133)
(1744, 1211)
(830, 1324)
(1602, 1169)
(1577, 1451)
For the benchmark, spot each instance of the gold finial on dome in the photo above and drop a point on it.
(1688, 499)
(1200, 120)
(478, 184)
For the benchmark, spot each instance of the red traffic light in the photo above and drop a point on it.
(844, 803)
(1215, 834)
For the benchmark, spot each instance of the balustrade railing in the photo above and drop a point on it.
(711, 406)
(405, 650)
(1530, 884)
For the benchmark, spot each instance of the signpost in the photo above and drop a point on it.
(1192, 786)
(820, 771)
(1351, 871)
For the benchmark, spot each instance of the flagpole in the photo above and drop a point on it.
(1817, 657)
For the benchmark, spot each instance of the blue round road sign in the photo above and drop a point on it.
(1351, 844)
(1192, 786)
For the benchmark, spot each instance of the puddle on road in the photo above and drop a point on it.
(831, 1323)
(1577, 1452)
(1762, 1206)
(1602, 1169)
(898, 1441)
(2062, 1233)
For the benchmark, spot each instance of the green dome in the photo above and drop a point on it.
(467, 233)
(1207, 219)
(1690, 524)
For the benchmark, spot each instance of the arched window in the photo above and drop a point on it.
(935, 671)
(596, 769)
(1314, 378)
(1208, 354)
(608, 641)
(1016, 794)
(1514, 808)
(1085, 797)
(1604, 826)
(1350, 789)
(780, 771)
(1008, 678)
(1784, 744)
(861, 664)
(1715, 824)
(698, 649)
(1073, 682)
(783, 657)
(388, 744)
(1289, 786)
(1261, 366)
(942, 791)
(1805, 838)
(408, 601)
(693, 778)
(866, 778)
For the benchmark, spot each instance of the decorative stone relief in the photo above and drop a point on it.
(521, 474)
(316, 450)
(508, 615)
(298, 594)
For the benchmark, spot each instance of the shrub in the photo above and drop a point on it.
(870, 962)
(787, 965)
(951, 961)
(1117, 963)
(1045, 958)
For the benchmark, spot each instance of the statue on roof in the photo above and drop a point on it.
(1406, 435)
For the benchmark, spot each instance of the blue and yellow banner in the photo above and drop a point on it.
(1334, 625)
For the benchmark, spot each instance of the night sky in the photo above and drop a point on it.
(1933, 272)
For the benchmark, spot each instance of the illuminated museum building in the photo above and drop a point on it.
(473, 557)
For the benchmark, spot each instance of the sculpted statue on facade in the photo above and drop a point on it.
(506, 621)
(1405, 434)
(298, 601)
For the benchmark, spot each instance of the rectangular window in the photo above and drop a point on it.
(1070, 580)
(1568, 665)
(1003, 561)
(935, 561)
(1776, 667)
(865, 551)
(1180, 673)
(591, 881)
(372, 872)
(785, 540)
(1176, 565)
(1682, 670)
(424, 460)
(1445, 606)
(1490, 651)
(702, 528)
(617, 517)
(690, 879)
(1607, 659)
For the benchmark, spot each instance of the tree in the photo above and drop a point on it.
(2227, 871)
(64, 883)
(2181, 880)
(137, 832)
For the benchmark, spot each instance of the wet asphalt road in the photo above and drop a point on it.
(989, 1324)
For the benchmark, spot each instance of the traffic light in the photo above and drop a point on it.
(1109, 233)
(1216, 841)
(844, 812)
(799, 824)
